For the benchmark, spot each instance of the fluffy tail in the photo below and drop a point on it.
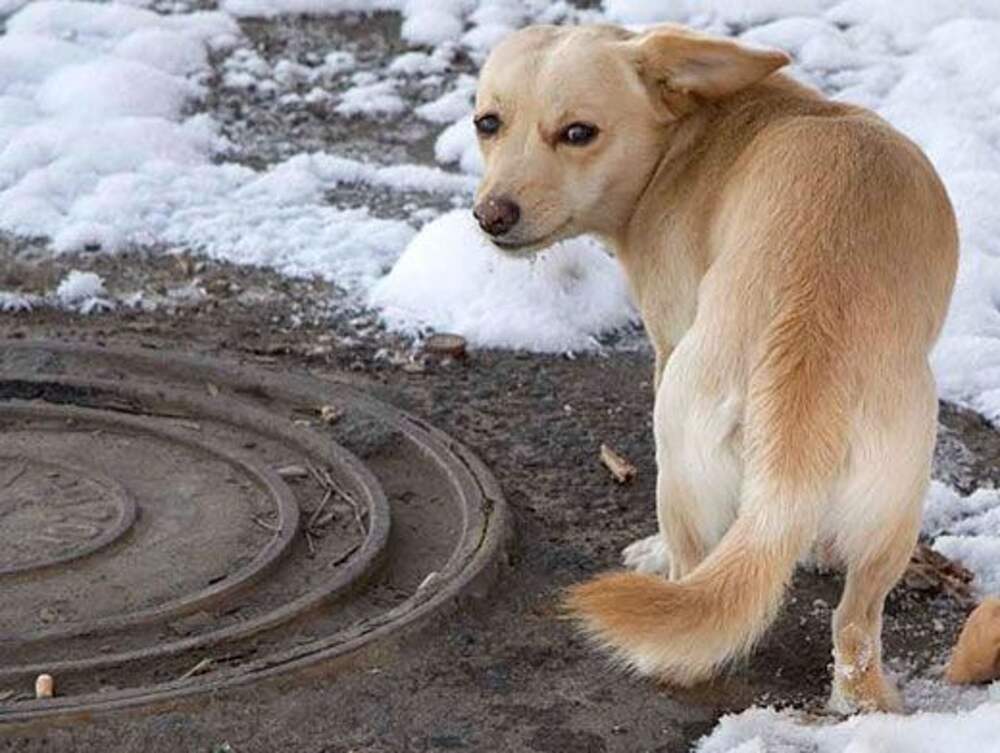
(795, 441)
(684, 631)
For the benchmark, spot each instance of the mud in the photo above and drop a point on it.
(503, 672)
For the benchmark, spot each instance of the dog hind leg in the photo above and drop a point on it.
(699, 472)
(880, 515)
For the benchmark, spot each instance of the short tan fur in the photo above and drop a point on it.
(793, 259)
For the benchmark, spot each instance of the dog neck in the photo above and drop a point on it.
(664, 245)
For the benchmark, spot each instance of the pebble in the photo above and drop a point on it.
(44, 686)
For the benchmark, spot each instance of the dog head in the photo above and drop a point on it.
(573, 121)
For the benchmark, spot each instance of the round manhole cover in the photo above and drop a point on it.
(171, 526)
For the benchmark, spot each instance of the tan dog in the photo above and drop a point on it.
(793, 259)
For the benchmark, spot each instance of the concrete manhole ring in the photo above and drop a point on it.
(171, 526)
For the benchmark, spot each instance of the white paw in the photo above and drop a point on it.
(648, 555)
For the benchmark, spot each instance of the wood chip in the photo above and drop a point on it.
(443, 344)
(330, 414)
(621, 469)
(293, 471)
(931, 571)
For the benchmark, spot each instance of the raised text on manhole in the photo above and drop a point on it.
(51, 512)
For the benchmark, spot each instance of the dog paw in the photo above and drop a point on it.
(877, 694)
(648, 555)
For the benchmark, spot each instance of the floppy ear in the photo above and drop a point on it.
(681, 60)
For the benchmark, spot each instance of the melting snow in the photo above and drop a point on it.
(99, 149)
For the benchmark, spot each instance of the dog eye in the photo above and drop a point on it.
(579, 134)
(487, 125)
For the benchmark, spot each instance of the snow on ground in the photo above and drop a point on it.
(84, 293)
(946, 719)
(80, 286)
(771, 731)
(102, 147)
(967, 529)
(584, 292)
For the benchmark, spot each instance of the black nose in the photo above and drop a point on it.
(497, 216)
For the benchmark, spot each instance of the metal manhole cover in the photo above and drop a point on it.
(171, 526)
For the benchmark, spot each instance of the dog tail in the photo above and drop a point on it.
(684, 631)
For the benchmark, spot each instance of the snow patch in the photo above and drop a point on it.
(374, 99)
(12, 301)
(451, 279)
(78, 286)
(967, 530)
(272, 8)
(770, 731)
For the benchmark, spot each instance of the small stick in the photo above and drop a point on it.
(309, 543)
(350, 500)
(197, 669)
(327, 517)
(316, 513)
(326, 480)
(346, 555)
(621, 469)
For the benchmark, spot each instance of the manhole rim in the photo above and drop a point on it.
(268, 555)
(365, 558)
(475, 561)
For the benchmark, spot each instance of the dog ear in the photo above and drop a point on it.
(680, 61)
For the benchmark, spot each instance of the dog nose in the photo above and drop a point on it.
(497, 216)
